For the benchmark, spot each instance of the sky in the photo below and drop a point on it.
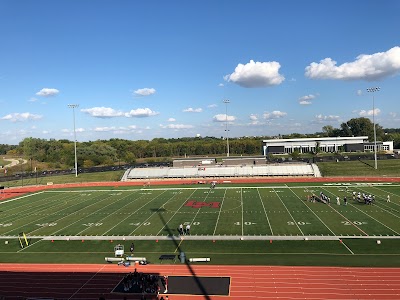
(169, 69)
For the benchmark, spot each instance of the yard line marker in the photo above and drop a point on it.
(313, 212)
(241, 200)
(289, 213)
(219, 213)
(266, 215)
(343, 243)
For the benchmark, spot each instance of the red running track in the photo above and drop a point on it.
(68, 281)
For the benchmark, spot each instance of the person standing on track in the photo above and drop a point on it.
(132, 248)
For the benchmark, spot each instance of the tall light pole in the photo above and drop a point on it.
(373, 90)
(226, 101)
(73, 106)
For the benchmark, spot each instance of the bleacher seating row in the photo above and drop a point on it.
(221, 171)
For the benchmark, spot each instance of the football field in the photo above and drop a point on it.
(226, 212)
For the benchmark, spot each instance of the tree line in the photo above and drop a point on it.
(60, 153)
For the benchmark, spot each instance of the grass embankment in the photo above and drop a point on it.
(363, 168)
(70, 178)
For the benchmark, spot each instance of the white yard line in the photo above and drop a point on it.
(114, 212)
(219, 213)
(74, 213)
(289, 212)
(265, 211)
(38, 220)
(343, 243)
(312, 212)
(175, 211)
(376, 220)
(129, 215)
(241, 200)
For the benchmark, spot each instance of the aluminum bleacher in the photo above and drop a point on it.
(224, 171)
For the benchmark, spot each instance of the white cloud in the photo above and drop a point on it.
(223, 118)
(305, 102)
(141, 113)
(367, 113)
(176, 126)
(171, 120)
(365, 67)
(256, 74)
(103, 112)
(212, 106)
(21, 117)
(114, 129)
(144, 92)
(33, 99)
(221, 85)
(276, 114)
(307, 97)
(107, 112)
(46, 92)
(359, 92)
(104, 129)
(253, 117)
(393, 114)
(321, 118)
(80, 130)
(190, 109)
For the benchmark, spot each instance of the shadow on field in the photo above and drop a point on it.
(366, 163)
(170, 231)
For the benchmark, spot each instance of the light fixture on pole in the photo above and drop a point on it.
(373, 90)
(226, 101)
(73, 106)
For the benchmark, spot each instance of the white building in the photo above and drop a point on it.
(325, 144)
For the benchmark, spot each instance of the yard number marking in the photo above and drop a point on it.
(138, 224)
(301, 223)
(92, 224)
(354, 222)
(245, 223)
(5, 225)
(47, 224)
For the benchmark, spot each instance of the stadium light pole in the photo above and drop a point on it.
(373, 90)
(226, 101)
(73, 106)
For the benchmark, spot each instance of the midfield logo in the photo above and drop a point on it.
(196, 204)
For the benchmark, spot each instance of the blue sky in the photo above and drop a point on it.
(147, 69)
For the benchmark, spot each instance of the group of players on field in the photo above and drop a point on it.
(359, 197)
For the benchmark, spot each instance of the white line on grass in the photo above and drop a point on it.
(52, 213)
(312, 212)
(376, 220)
(219, 213)
(241, 200)
(76, 212)
(98, 221)
(129, 215)
(266, 215)
(26, 209)
(350, 222)
(347, 247)
(175, 211)
(289, 213)
(21, 197)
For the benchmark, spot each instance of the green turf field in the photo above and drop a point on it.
(231, 224)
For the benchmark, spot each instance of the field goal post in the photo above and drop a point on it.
(23, 240)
